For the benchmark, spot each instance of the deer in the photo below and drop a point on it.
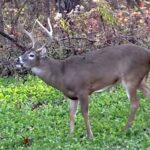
(79, 76)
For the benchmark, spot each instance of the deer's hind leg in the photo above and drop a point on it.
(131, 87)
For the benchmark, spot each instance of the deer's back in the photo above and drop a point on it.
(110, 56)
(107, 61)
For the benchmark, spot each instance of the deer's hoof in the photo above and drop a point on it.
(90, 136)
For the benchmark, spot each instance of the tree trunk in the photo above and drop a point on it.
(1, 23)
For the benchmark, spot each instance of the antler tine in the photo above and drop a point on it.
(39, 49)
(50, 33)
(50, 26)
(29, 34)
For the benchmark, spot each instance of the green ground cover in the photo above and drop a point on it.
(35, 116)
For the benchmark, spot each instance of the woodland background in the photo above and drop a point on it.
(101, 23)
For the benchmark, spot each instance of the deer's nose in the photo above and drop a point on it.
(17, 60)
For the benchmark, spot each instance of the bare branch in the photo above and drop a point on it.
(13, 40)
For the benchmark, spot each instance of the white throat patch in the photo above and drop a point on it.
(37, 71)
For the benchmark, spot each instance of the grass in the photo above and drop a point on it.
(35, 116)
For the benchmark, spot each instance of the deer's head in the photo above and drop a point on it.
(31, 58)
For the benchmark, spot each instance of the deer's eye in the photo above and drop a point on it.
(31, 55)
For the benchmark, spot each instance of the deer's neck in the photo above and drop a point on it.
(49, 70)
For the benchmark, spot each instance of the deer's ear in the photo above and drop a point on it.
(43, 52)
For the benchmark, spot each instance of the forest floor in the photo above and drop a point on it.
(35, 116)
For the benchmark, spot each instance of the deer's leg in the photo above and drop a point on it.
(84, 108)
(144, 87)
(131, 90)
(73, 109)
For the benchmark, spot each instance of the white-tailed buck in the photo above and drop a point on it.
(79, 76)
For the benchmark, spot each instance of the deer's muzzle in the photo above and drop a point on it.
(18, 62)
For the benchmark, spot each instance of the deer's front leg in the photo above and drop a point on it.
(84, 108)
(73, 109)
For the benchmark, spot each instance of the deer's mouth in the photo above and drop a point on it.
(19, 66)
(19, 63)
